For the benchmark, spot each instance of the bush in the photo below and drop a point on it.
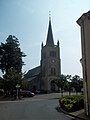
(72, 103)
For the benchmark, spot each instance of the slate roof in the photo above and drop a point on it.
(33, 72)
(31, 78)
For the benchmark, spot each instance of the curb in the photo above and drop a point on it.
(58, 108)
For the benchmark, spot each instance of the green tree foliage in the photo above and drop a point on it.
(67, 83)
(11, 79)
(61, 82)
(11, 64)
(1, 83)
(77, 83)
(11, 55)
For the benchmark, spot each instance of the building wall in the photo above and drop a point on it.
(34, 83)
(87, 52)
(84, 22)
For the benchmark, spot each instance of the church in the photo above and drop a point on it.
(42, 77)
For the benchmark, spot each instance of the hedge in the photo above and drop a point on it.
(72, 103)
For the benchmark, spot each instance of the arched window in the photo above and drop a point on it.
(52, 54)
(53, 71)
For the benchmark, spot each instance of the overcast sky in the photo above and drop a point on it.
(28, 21)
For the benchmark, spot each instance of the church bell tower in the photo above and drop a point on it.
(50, 62)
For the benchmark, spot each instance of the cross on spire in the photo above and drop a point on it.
(49, 15)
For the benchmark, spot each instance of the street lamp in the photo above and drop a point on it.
(17, 86)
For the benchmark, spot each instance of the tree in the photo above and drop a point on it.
(1, 83)
(11, 55)
(61, 82)
(11, 79)
(69, 82)
(77, 83)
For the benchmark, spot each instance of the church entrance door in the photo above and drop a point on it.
(52, 86)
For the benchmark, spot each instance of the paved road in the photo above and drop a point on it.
(41, 107)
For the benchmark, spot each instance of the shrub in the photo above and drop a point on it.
(72, 103)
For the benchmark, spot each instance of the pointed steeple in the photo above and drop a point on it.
(50, 40)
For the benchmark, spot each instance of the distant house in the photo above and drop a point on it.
(42, 77)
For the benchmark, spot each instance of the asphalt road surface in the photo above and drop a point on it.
(40, 107)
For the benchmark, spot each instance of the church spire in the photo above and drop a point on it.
(50, 40)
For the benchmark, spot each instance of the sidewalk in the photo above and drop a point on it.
(78, 114)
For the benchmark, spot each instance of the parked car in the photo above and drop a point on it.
(37, 92)
(26, 93)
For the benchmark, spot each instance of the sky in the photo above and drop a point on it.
(28, 20)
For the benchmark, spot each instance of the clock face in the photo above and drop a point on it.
(53, 61)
